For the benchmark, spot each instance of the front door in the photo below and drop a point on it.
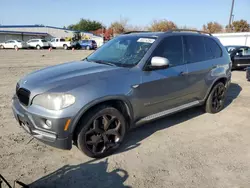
(164, 89)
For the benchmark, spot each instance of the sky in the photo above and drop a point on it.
(192, 13)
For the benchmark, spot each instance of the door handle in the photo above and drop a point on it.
(183, 73)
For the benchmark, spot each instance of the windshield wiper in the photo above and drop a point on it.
(101, 62)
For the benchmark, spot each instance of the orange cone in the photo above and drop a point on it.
(50, 49)
(16, 48)
(73, 49)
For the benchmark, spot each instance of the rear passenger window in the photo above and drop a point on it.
(171, 48)
(194, 49)
(213, 50)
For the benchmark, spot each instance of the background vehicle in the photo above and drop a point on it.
(88, 44)
(13, 44)
(60, 43)
(38, 43)
(240, 56)
(132, 79)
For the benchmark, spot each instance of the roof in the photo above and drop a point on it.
(24, 33)
(158, 34)
(33, 26)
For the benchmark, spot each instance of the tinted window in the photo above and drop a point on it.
(62, 40)
(212, 49)
(244, 52)
(44, 40)
(53, 40)
(171, 48)
(194, 49)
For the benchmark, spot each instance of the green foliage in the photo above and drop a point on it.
(86, 25)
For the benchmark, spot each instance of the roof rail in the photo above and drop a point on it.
(189, 30)
(129, 32)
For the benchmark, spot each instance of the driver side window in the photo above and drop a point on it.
(172, 49)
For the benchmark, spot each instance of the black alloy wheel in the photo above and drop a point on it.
(102, 133)
(216, 99)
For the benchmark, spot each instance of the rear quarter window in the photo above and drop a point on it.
(213, 50)
(194, 49)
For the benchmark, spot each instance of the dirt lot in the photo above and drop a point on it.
(189, 149)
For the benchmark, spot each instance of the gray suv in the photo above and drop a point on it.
(132, 79)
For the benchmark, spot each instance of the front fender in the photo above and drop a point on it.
(99, 101)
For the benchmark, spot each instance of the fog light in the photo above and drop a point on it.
(48, 124)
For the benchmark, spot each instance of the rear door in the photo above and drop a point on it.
(242, 58)
(166, 88)
(202, 54)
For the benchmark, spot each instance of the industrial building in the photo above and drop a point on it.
(26, 32)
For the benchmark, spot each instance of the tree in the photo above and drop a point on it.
(239, 26)
(119, 27)
(187, 27)
(213, 27)
(162, 25)
(86, 25)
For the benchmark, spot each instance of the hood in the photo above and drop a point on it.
(68, 76)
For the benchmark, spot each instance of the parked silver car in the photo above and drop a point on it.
(132, 79)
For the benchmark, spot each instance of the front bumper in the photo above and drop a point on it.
(33, 124)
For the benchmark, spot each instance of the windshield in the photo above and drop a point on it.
(123, 51)
(44, 40)
(19, 41)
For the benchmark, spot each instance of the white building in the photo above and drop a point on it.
(234, 38)
(26, 32)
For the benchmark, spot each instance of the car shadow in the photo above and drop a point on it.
(140, 133)
(89, 174)
(232, 93)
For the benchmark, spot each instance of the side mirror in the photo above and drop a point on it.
(158, 63)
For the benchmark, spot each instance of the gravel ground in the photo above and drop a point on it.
(188, 149)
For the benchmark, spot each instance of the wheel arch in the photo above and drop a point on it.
(220, 79)
(120, 103)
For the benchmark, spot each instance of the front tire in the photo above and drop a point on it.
(87, 48)
(216, 99)
(38, 47)
(1, 47)
(101, 132)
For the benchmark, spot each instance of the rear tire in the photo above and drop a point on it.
(87, 48)
(65, 47)
(216, 99)
(101, 132)
(1, 47)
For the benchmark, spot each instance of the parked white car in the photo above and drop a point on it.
(38, 43)
(60, 43)
(13, 44)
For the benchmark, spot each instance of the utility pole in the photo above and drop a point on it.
(231, 15)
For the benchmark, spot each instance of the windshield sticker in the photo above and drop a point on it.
(146, 40)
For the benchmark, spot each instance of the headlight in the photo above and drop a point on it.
(54, 101)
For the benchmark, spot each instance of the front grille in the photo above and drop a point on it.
(23, 96)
